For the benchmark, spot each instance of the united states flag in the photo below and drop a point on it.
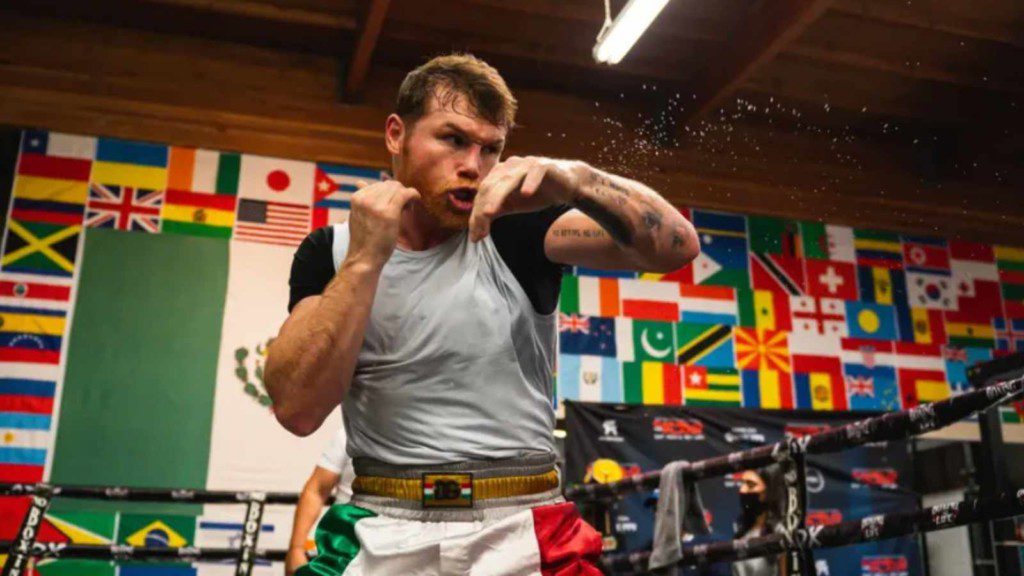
(272, 222)
(124, 208)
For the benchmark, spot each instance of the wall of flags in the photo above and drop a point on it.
(102, 237)
(66, 185)
(778, 313)
(773, 314)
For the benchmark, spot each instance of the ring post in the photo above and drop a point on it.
(22, 547)
(992, 468)
(250, 533)
(800, 559)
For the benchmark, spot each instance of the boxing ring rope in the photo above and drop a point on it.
(118, 552)
(150, 494)
(868, 529)
(889, 426)
(796, 539)
(25, 546)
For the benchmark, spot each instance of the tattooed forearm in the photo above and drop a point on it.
(605, 186)
(614, 224)
(613, 185)
(649, 231)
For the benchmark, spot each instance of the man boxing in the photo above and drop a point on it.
(432, 313)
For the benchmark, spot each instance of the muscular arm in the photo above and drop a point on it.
(311, 501)
(622, 224)
(310, 363)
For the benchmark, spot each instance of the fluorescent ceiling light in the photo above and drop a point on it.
(616, 38)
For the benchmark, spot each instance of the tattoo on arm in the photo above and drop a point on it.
(652, 220)
(604, 186)
(615, 225)
(677, 241)
(612, 184)
(577, 233)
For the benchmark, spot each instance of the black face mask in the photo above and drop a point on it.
(750, 507)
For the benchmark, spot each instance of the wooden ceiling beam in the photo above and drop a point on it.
(926, 72)
(432, 39)
(579, 12)
(366, 43)
(823, 90)
(762, 34)
(470, 22)
(593, 11)
(892, 13)
(267, 11)
(246, 22)
(878, 94)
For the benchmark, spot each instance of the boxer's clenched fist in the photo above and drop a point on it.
(375, 219)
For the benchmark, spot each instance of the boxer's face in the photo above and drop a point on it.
(444, 155)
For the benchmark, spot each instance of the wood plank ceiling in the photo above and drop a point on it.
(942, 80)
(897, 51)
(932, 61)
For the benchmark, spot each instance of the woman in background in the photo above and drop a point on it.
(762, 496)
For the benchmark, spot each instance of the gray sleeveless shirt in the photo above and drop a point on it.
(455, 364)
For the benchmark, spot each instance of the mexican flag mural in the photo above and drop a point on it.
(140, 286)
(242, 426)
(137, 399)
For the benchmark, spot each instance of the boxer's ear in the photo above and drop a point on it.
(394, 134)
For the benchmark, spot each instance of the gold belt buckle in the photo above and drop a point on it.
(447, 490)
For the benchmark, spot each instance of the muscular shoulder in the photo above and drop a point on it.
(312, 266)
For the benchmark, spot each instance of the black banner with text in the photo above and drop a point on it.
(607, 442)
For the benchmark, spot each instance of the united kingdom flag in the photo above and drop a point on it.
(861, 386)
(573, 323)
(124, 208)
